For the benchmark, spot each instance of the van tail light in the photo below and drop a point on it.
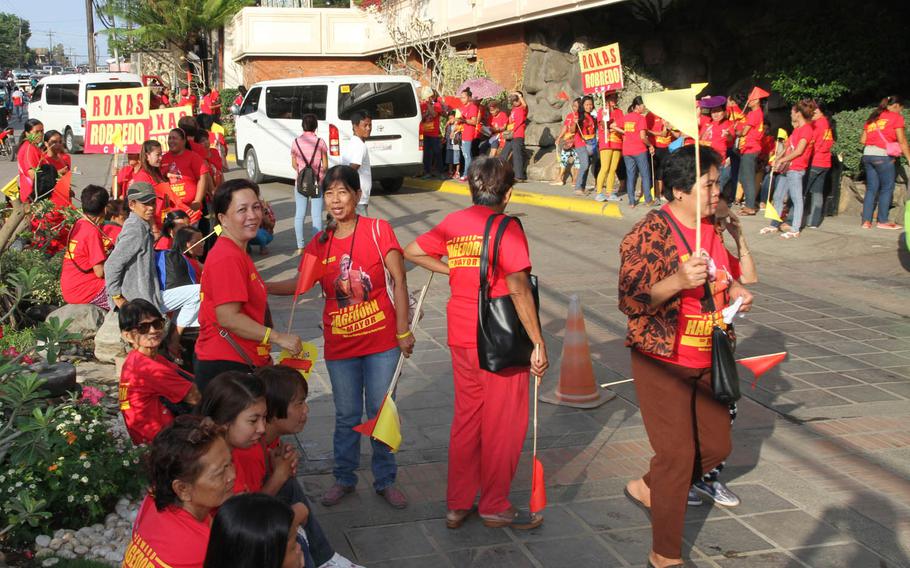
(334, 142)
(420, 142)
(82, 116)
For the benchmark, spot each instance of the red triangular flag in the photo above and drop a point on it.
(538, 490)
(367, 427)
(310, 269)
(761, 364)
(62, 190)
(297, 364)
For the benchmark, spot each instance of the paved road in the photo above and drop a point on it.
(821, 448)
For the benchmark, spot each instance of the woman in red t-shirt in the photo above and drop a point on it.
(29, 157)
(823, 139)
(150, 172)
(190, 475)
(717, 133)
(662, 287)
(499, 121)
(126, 173)
(235, 332)
(491, 409)
(365, 326)
(470, 119)
(515, 135)
(82, 274)
(635, 151)
(187, 172)
(609, 143)
(884, 141)
(55, 155)
(115, 215)
(792, 168)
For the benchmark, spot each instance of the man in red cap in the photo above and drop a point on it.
(751, 132)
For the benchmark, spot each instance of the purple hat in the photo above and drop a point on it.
(712, 102)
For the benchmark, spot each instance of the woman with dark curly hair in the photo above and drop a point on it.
(190, 475)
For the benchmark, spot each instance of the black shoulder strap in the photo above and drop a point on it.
(672, 222)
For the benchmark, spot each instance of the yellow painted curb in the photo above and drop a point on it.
(572, 204)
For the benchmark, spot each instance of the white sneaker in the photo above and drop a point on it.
(339, 561)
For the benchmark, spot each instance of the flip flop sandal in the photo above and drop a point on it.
(768, 230)
(518, 519)
(790, 235)
(456, 518)
(639, 504)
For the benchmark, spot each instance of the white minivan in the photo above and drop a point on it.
(59, 101)
(270, 116)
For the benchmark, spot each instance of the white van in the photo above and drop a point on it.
(59, 101)
(270, 116)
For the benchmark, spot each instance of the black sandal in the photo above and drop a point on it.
(639, 504)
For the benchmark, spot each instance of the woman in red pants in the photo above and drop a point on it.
(491, 409)
(662, 288)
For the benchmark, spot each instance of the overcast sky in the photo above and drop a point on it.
(65, 19)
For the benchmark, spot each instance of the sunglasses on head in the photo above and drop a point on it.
(146, 326)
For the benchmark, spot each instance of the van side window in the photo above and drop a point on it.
(294, 101)
(36, 94)
(63, 94)
(251, 102)
(380, 100)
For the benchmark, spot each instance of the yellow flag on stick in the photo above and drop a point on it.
(117, 140)
(11, 189)
(385, 426)
(771, 212)
(677, 107)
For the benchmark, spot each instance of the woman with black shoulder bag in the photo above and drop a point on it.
(488, 265)
(681, 347)
(310, 159)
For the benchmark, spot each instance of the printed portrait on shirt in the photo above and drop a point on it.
(352, 285)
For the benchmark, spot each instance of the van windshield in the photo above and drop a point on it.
(380, 100)
(108, 85)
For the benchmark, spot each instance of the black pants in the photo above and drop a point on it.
(205, 371)
(516, 146)
(319, 547)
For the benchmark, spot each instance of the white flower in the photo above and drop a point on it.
(126, 463)
(18, 484)
(77, 418)
(87, 498)
(95, 498)
(3, 477)
(86, 464)
(75, 476)
(70, 499)
(88, 436)
(84, 479)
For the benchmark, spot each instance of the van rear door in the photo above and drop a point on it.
(396, 120)
(285, 106)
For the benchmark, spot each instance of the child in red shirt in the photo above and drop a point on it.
(87, 248)
(147, 377)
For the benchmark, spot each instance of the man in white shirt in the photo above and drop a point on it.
(356, 155)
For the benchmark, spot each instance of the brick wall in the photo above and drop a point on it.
(264, 68)
(503, 52)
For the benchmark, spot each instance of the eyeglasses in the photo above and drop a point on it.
(146, 326)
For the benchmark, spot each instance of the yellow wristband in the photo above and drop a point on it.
(265, 338)
(404, 335)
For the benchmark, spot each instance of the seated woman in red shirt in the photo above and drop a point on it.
(491, 409)
(147, 379)
(126, 173)
(190, 475)
(55, 155)
(188, 175)
(82, 275)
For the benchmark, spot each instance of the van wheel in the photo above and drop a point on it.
(252, 166)
(69, 141)
(391, 185)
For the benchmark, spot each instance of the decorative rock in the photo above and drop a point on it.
(108, 344)
(86, 318)
(80, 550)
(42, 541)
(56, 543)
(50, 562)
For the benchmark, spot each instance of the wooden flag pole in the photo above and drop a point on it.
(697, 198)
(192, 246)
(115, 189)
(536, 388)
(412, 327)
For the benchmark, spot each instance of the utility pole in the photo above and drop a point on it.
(50, 48)
(90, 31)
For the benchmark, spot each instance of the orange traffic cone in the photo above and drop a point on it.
(577, 387)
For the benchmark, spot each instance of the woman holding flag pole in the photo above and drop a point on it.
(365, 326)
(491, 409)
(673, 298)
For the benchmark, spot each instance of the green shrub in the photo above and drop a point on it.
(849, 125)
(46, 288)
(20, 340)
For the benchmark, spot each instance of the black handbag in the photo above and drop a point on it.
(724, 375)
(502, 341)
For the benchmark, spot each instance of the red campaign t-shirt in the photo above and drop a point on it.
(28, 158)
(755, 119)
(163, 243)
(657, 124)
(143, 381)
(518, 118)
(768, 143)
(823, 139)
(429, 127)
(883, 129)
(172, 538)
(249, 465)
(693, 335)
(112, 230)
(358, 318)
(614, 139)
(716, 135)
(582, 127)
(468, 112)
(499, 120)
(84, 249)
(201, 149)
(459, 238)
(632, 144)
(60, 162)
(184, 171)
(230, 277)
(804, 132)
(125, 178)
